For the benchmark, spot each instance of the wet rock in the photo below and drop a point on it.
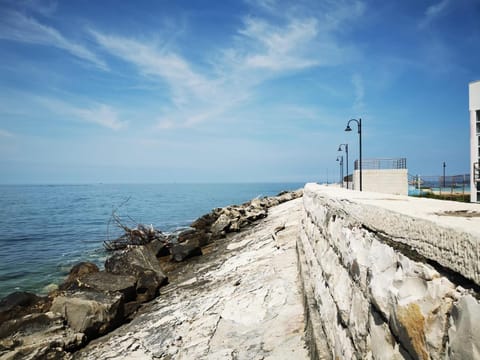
(38, 336)
(21, 303)
(89, 312)
(76, 272)
(186, 250)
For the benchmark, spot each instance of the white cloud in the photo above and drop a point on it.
(5, 133)
(281, 47)
(16, 26)
(262, 49)
(100, 114)
(434, 11)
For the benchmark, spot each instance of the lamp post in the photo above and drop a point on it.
(359, 126)
(346, 154)
(444, 165)
(340, 159)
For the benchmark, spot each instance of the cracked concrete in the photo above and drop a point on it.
(242, 300)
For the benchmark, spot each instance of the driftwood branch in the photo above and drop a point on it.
(139, 234)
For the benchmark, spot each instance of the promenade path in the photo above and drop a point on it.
(241, 300)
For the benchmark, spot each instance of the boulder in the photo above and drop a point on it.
(21, 303)
(221, 225)
(147, 286)
(76, 272)
(141, 263)
(108, 282)
(192, 235)
(206, 221)
(89, 312)
(186, 250)
(158, 248)
(135, 261)
(38, 336)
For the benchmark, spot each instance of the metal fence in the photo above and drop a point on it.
(382, 164)
(437, 184)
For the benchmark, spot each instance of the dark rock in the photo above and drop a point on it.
(198, 236)
(89, 312)
(21, 303)
(38, 336)
(186, 250)
(206, 221)
(158, 248)
(133, 261)
(141, 263)
(147, 286)
(105, 281)
(76, 272)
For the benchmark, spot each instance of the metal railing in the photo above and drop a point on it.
(438, 184)
(382, 164)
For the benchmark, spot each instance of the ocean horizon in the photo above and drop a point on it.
(47, 228)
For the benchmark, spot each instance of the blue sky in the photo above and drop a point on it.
(228, 91)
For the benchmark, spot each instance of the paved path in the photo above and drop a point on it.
(241, 300)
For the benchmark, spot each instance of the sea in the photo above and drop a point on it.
(46, 229)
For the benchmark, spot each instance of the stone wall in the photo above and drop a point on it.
(375, 283)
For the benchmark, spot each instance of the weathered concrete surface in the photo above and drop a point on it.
(368, 293)
(240, 300)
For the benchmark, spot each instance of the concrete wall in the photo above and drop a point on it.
(386, 277)
(474, 106)
(391, 181)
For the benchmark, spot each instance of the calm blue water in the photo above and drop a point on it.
(45, 229)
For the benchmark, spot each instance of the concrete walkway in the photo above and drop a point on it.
(240, 300)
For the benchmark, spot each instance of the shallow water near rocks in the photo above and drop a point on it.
(45, 229)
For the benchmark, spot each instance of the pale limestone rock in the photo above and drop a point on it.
(464, 342)
(408, 297)
(241, 300)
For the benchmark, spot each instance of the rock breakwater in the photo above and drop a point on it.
(91, 303)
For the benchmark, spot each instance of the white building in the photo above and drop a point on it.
(474, 106)
(388, 176)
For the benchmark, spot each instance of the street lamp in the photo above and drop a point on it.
(348, 128)
(346, 153)
(340, 159)
(444, 165)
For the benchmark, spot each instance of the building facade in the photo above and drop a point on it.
(474, 107)
(388, 176)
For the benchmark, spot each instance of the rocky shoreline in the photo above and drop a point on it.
(91, 303)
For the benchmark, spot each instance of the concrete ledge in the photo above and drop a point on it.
(446, 232)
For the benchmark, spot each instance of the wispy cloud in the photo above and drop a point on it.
(155, 61)
(434, 11)
(5, 133)
(262, 49)
(100, 114)
(280, 48)
(16, 26)
(358, 104)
